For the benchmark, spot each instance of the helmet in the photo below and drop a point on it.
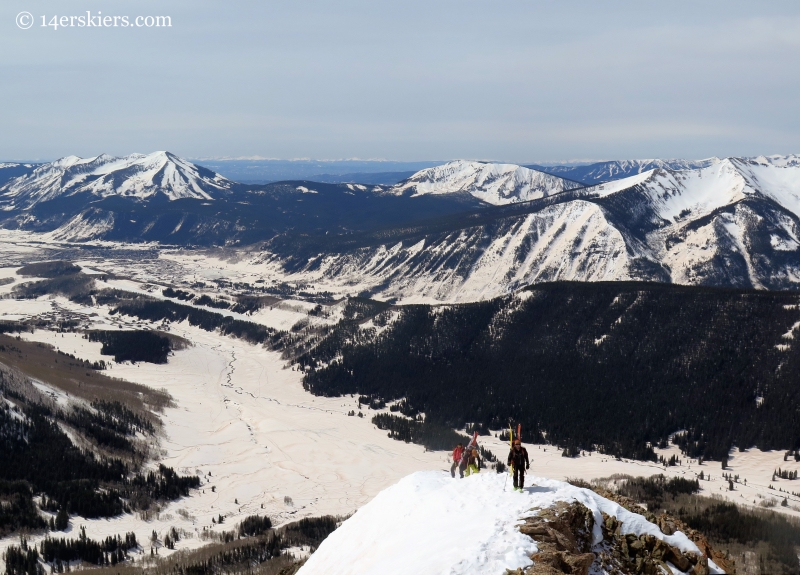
(517, 442)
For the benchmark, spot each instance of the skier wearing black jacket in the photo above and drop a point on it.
(518, 461)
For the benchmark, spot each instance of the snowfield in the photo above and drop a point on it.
(429, 523)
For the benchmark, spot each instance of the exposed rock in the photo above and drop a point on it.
(563, 535)
(669, 525)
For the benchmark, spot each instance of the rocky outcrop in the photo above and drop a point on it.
(669, 524)
(627, 553)
(563, 535)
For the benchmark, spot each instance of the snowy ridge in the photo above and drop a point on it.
(616, 169)
(137, 175)
(495, 184)
(430, 523)
(722, 183)
(486, 261)
(623, 168)
(601, 172)
(735, 222)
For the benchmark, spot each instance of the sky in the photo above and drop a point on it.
(514, 80)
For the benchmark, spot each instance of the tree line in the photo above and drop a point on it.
(617, 367)
(38, 458)
(133, 345)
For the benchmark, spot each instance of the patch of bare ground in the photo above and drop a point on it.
(42, 362)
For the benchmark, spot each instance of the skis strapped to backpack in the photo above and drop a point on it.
(510, 446)
(473, 443)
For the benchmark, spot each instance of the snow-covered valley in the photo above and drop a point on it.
(261, 444)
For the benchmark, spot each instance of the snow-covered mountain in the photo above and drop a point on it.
(776, 160)
(463, 231)
(139, 176)
(495, 184)
(735, 222)
(614, 170)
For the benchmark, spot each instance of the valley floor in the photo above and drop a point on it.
(262, 445)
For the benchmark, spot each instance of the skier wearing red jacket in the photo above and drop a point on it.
(458, 452)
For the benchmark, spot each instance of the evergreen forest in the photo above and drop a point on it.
(617, 367)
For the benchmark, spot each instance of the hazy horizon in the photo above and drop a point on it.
(534, 82)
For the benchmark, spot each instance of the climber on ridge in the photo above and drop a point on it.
(518, 461)
(473, 461)
(457, 453)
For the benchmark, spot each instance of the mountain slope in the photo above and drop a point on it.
(9, 170)
(137, 176)
(463, 231)
(614, 170)
(614, 365)
(495, 184)
(570, 240)
(733, 223)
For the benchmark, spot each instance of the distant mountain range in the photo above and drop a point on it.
(734, 222)
(160, 197)
(370, 178)
(461, 231)
(600, 172)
